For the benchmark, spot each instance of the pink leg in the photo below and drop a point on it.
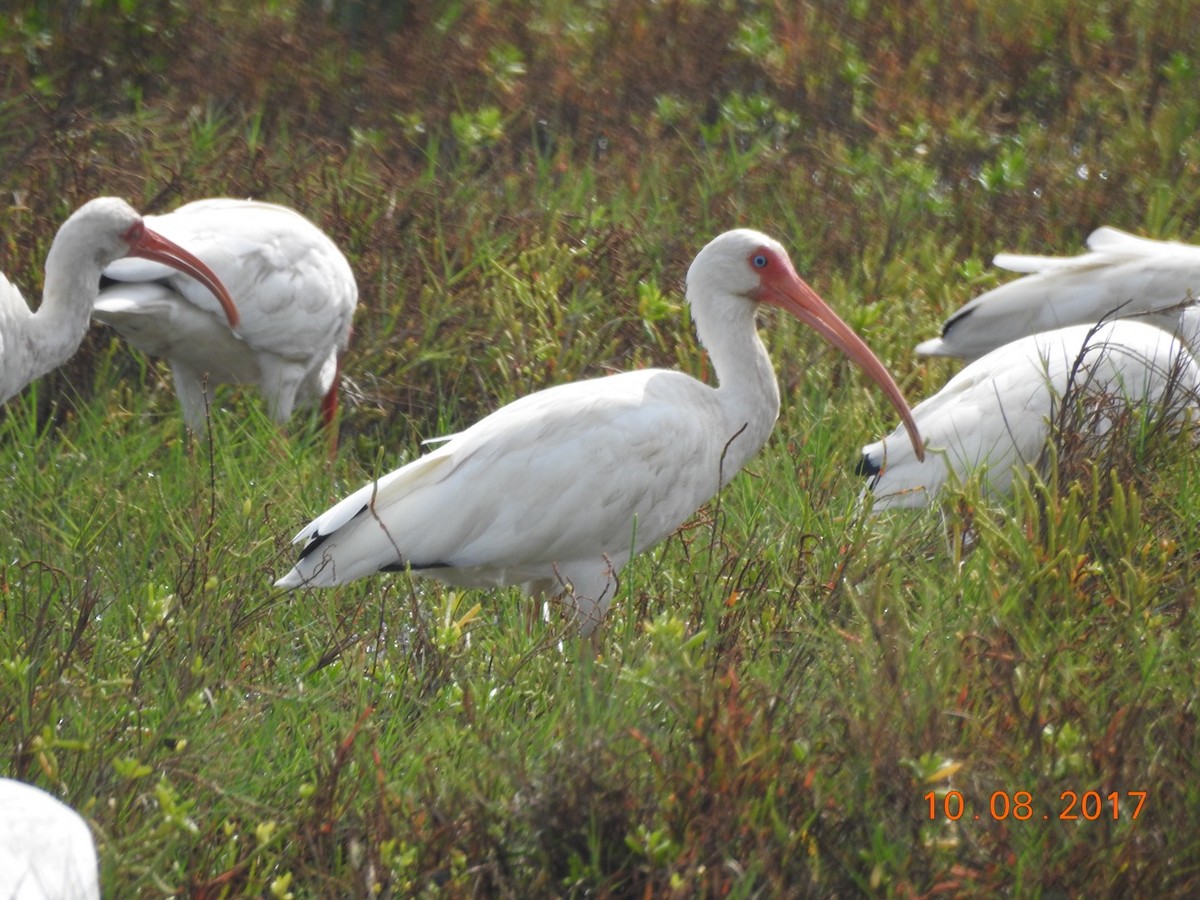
(329, 405)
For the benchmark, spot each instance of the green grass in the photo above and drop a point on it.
(520, 189)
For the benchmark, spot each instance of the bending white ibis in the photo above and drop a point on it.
(1121, 276)
(558, 490)
(99, 232)
(295, 290)
(46, 848)
(994, 416)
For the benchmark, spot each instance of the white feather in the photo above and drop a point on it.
(556, 491)
(295, 291)
(1121, 276)
(993, 417)
(46, 848)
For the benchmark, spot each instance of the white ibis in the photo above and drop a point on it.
(99, 232)
(295, 290)
(558, 490)
(1120, 276)
(46, 848)
(995, 415)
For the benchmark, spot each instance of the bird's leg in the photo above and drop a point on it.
(191, 387)
(329, 409)
(585, 603)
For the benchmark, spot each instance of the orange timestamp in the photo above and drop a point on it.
(1020, 805)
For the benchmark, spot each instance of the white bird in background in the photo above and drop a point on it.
(558, 490)
(994, 417)
(995, 414)
(46, 848)
(1121, 276)
(295, 290)
(99, 232)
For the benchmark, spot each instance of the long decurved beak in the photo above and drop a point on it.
(789, 291)
(150, 245)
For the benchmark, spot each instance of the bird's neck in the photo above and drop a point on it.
(72, 284)
(747, 390)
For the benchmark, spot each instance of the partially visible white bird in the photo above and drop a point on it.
(295, 290)
(994, 417)
(1120, 276)
(46, 848)
(558, 490)
(96, 234)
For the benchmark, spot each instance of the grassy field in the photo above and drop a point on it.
(788, 698)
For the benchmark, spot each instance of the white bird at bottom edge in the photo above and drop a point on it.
(46, 848)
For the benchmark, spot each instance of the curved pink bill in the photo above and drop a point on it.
(789, 291)
(150, 245)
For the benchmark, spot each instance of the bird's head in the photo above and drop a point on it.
(740, 263)
(747, 264)
(110, 229)
(98, 228)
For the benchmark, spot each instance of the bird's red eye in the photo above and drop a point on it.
(135, 232)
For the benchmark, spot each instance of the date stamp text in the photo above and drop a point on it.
(1021, 805)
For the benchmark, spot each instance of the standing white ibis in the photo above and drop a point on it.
(994, 417)
(558, 490)
(96, 234)
(295, 290)
(46, 848)
(1121, 276)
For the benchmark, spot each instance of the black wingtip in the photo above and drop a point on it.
(318, 539)
(957, 319)
(401, 566)
(313, 543)
(867, 468)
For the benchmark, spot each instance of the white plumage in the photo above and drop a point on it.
(1120, 276)
(558, 490)
(96, 234)
(994, 416)
(46, 848)
(295, 290)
